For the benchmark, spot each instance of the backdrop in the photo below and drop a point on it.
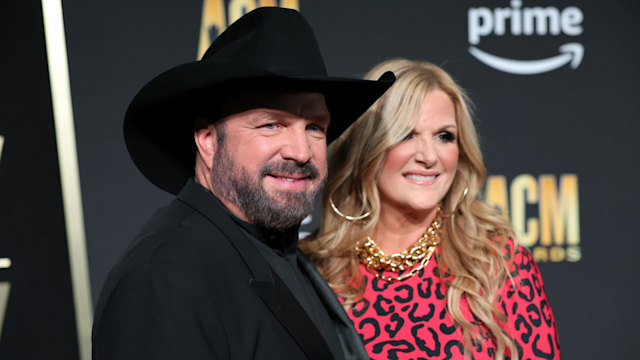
(555, 89)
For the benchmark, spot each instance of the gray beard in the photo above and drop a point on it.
(236, 185)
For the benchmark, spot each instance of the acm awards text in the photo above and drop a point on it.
(544, 211)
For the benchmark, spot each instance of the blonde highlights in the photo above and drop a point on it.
(471, 260)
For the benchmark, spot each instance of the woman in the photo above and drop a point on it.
(462, 288)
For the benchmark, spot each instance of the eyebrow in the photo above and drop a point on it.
(448, 127)
(320, 118)
(276, 113)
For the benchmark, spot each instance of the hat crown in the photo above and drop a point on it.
(268, 47)
(274, 39)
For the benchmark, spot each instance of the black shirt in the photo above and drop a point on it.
(280, 249)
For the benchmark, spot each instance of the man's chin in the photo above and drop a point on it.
(280, 211)
(284, 200)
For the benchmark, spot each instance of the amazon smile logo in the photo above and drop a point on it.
(528, 21)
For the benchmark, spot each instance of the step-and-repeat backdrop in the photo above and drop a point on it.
(557, 109)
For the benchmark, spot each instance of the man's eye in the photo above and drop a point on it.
(313, 127)
(270, 126)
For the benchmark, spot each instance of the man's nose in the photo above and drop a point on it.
(297, 146)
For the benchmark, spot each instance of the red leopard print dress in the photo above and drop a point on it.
(408, 319)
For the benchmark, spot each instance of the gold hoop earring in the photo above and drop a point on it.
(464, 195)
(347, 217)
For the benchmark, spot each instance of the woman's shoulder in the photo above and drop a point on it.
(519, 258)
(524, 302)
(524, 279)
(516, 256)
(523, 274)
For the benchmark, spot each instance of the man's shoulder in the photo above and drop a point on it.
(176, 216)
(176, 233)
(175, 239)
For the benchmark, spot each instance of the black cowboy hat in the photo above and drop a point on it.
(266, 48)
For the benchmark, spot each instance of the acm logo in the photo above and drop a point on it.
(526, 21)
(218, 14)
(552, 233)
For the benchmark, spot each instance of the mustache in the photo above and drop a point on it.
(290, 167)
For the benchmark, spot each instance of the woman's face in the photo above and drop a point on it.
(418, 171)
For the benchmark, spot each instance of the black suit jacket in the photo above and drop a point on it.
(193, 286)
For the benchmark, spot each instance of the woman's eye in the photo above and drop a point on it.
(408, 137)
(446, 136)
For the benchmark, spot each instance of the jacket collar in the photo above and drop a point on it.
(282, 242)
(349, 338)
(264, 281)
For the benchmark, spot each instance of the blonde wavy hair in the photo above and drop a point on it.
(471, 260)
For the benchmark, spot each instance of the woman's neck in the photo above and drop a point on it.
(397, 230)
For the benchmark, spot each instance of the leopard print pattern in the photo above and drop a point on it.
(409, 320)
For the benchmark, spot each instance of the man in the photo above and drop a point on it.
(217, 274)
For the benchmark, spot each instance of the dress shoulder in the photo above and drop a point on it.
(524, 302)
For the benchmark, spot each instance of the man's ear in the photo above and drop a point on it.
(206, 143)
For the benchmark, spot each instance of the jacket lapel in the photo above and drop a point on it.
(349, 338)
(291, 314)
(265, 282)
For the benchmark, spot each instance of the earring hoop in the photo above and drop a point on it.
(347, 217)
(464, 195)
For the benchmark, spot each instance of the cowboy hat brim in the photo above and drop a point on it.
(159, 123)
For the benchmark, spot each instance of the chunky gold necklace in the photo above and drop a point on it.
(421, 251)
